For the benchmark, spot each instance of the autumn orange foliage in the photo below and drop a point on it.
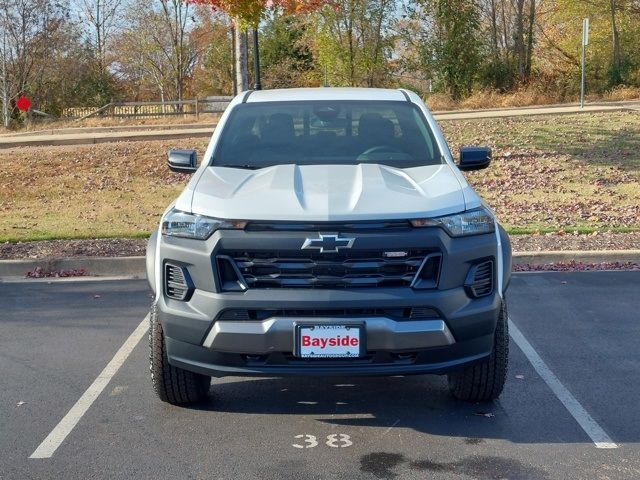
(249, 12)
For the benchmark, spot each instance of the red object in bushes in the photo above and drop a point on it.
(23, 103)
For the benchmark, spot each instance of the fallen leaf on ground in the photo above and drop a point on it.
(39, 272)
(573, 266)
(484, 414)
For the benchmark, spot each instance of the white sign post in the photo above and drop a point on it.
(585, 42)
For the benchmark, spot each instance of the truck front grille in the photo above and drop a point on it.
(355, 269)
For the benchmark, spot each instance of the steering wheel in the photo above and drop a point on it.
(379, 149)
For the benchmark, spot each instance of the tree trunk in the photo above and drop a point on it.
(494, 32)
(519, 40)
(616, 59)
(5, 90)
(532, 18)
(352, 54)
(242, 76)
(376, 51)
(233, 60)
(494, 42)
(505, 35)
(99, 46)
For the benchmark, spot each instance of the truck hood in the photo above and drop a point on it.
(328, 193)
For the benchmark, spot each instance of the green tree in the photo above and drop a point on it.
(456, 47)
(450, 43)
(354, 40)
(249, 13)
(285, 55)
(613, 54)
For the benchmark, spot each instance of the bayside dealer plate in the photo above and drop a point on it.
(329, 341)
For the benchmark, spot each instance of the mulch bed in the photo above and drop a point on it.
(109, 247)
(573, 266)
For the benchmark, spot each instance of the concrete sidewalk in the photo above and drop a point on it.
(135, 266)
(546, 110)
(103, 137)
(109, 129)
(168, 132)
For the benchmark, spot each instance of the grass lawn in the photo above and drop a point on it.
(573, 172)
(565, 172)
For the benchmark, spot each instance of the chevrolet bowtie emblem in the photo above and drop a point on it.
(327, 243)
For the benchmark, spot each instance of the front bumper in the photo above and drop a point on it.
(198, 340)
(462, 335)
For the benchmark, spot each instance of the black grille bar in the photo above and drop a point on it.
(408, 313)
(302, 269)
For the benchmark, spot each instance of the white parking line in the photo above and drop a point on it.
(50, 444)
(577, 411)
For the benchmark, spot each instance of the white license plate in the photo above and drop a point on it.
(329, 341)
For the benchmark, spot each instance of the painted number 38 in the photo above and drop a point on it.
(335, 440)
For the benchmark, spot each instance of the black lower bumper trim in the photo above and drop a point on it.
(439, 360)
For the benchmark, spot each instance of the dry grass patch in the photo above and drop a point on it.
(104, 190)
(203, 119)
(566, 172)
(524, 97)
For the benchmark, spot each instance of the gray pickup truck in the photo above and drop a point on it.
(328, 231)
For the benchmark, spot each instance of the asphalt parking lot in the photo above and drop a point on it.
(57, 337)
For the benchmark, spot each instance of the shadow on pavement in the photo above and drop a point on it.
(421, 403)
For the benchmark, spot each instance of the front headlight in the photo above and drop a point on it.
(471, 222)
(181, 224)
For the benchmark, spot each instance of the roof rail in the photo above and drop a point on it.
(406, 95)
(246, 96)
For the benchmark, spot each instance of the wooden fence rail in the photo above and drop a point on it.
(150, 109)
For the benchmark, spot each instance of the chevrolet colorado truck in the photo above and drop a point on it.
(328, 231)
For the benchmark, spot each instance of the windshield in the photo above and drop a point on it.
(258, 135)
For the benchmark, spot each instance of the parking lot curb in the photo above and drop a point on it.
(91, 138)
(94, 266)
(135, 266)
(578, 256)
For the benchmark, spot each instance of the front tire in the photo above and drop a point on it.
(172, 384)
(484, 381)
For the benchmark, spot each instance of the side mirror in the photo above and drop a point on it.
(182, 161)
(474, 158)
